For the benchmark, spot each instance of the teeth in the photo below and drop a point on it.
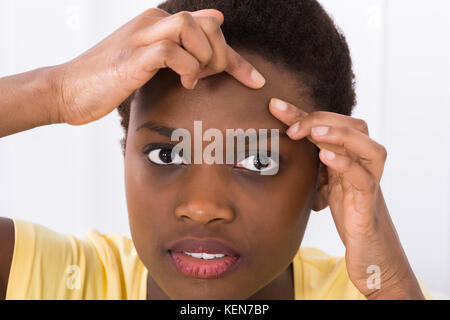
(197, 255)
(204, 255)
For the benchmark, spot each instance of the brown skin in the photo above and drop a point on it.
(355, 199)
(261, 216)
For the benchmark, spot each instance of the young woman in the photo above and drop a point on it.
(202, 231)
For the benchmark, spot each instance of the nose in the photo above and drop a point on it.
(204, 196)
(204, 211)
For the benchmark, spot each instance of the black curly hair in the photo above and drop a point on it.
(299, 34)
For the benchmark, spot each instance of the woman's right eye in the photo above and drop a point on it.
(163, 156)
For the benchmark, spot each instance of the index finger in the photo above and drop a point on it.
(243, 71)
(237, 66)
(292, 115)
(301, 122)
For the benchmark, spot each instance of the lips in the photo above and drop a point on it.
(194, 267)
(210, 246)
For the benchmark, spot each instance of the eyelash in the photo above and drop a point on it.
(154, 146)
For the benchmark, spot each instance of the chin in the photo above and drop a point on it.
(206, 291)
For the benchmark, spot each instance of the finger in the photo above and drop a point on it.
(285, 111)
(357, 143)
(164, 54)
(357, 176)
(324, 118)
(155, 12)
(243, 71)
(180, 28)
(290, 114)
(209, 12)
(211, 27)
(302, 128)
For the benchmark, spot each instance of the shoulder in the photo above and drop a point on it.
(318, 275)
(118, 254)
(51, 265)
(6, 252)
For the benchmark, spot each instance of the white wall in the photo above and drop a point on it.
(71, 178)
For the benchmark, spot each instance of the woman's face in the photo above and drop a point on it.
(263, 217)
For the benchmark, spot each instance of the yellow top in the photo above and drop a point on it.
(52, 265)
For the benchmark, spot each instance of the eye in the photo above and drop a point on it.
(163, 156)
(259, 163)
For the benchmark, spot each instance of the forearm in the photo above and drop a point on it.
(27, 100)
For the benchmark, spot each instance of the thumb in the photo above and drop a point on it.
(209, 12)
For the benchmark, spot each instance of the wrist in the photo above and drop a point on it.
(407, 288)
(51, 92)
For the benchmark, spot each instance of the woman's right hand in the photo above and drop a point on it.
(190, 43)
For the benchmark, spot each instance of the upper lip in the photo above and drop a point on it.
(206, 245)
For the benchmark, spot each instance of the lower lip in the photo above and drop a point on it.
(201, 268)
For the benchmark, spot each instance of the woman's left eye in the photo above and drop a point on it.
(163, 156)
(258, 163)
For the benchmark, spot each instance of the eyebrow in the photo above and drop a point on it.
(158, 128)
(167, 131)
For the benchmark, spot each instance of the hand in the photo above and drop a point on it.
(353, 193)
(190, 43)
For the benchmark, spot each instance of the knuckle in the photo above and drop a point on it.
(184, 19)
(316, 117)
(191, 68)
(194, 68)
(208, 55)
(382, 152)
(164, 48)
(153, 11)
(149, 17)
(211, 24)
(348, 165)
(345, 131)
(362, 126)
(219, 64)
(373, 185)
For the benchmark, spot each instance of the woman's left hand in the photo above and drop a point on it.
(375, 260)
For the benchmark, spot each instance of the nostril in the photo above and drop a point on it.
(204, 211)
(183, 217)
(215, 219)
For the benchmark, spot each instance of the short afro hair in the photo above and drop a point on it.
(299, 34)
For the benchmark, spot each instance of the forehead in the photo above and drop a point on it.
(220, 101)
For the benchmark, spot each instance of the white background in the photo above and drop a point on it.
(71, 178)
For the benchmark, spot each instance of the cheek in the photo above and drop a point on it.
(280, 221)
(281, 211)
(145, 210)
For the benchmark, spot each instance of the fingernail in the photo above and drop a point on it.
(195, 83)
(319, 131)
(279, 104)
(330, 155)
(258, 78)
(293, 129)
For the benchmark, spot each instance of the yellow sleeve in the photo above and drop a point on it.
(425, 291)
(50, 265)
(319, 276)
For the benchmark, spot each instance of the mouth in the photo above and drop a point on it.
(204, 258)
